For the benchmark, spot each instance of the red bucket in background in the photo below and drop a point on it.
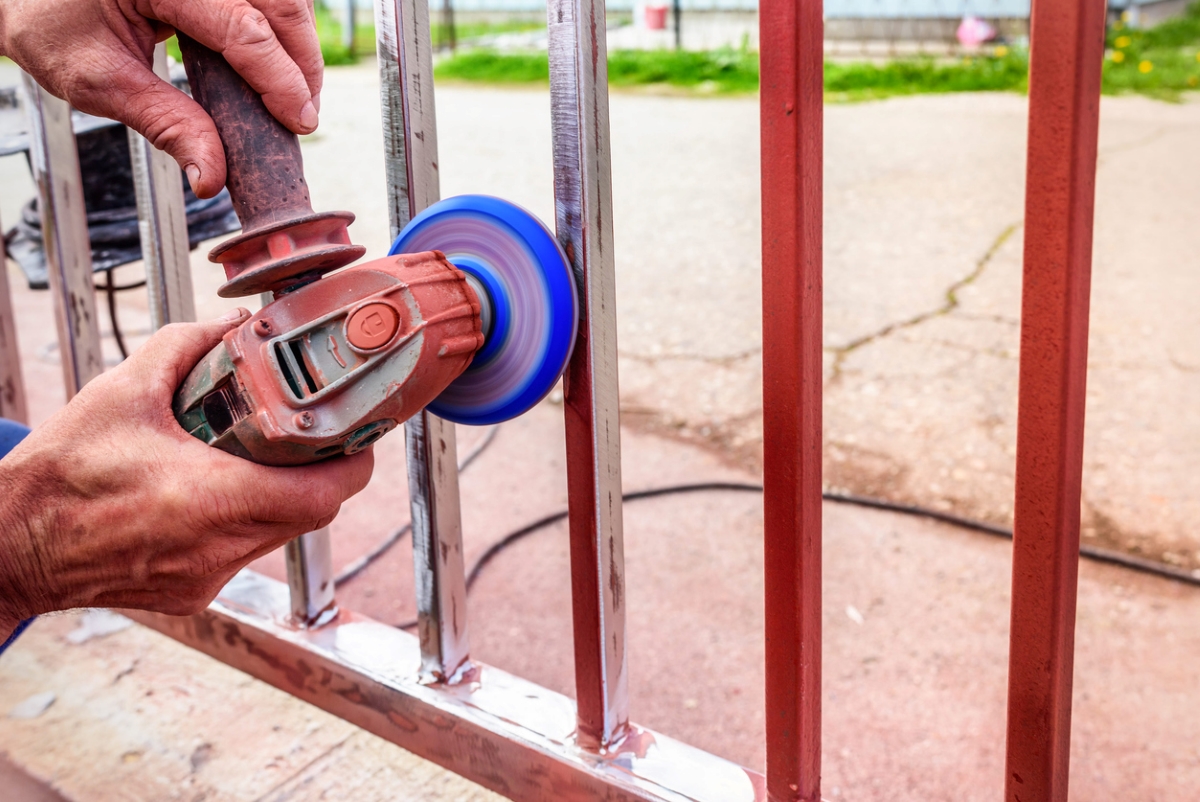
(656, 18)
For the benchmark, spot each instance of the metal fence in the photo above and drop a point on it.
(425, 693)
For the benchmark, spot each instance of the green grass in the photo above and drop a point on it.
(1163, 61)
(721, 71)
(735, 71)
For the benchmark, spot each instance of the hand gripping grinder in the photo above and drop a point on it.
(472, 314)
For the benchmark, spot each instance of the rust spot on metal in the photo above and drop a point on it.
(616, 583)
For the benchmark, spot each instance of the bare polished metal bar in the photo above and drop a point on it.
(498, 730)
(437, 554)
(410, 147)
(12, 382)
(162, 224)
(55, 163)
(583, 216)
(309, 560)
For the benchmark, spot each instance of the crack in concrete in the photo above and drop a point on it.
(1136, 144)
(949, 305)
(302, 769)
(723, 361)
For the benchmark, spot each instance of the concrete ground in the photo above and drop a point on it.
(923, 236)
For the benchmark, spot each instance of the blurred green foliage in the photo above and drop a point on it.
(1162, 61)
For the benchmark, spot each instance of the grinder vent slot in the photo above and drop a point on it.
(295, 369)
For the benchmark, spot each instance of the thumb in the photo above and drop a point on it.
(174, 350)
(172, 122)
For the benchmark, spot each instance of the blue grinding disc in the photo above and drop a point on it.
(531, 294)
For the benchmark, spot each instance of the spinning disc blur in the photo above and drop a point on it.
(531, 293)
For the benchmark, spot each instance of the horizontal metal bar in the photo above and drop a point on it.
(498, 730)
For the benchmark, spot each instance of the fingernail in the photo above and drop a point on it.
(234, 314)
(308, 116)
(193, 174)
(316, 101)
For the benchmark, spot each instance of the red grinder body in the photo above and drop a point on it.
(331, 367)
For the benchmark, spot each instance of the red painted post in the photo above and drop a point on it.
(1064, 102)
(792, 90)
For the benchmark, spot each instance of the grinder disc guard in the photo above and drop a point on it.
(532, 301)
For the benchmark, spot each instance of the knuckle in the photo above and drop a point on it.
(248, 29)
(290, 11)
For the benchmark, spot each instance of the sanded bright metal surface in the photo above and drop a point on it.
(162, 224)
(498, 730)
(55, 162)
(440, 582)
(410, 154)
(12, 381)
(309, 561)
(1064, 112)
(792, 123)
(583, 217)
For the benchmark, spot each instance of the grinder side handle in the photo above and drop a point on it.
(265, 171)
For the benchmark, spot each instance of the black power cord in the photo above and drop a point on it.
(1095, 553)
(358, 566)
(110, 292)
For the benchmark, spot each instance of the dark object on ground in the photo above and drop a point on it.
(108, 194)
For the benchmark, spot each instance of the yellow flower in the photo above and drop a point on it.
(1145, 67)
(1118, 56)
(1123, 41)
(1198, 55)
(1193, 80)
(1002, 51)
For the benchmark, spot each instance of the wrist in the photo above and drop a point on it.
(24, 585)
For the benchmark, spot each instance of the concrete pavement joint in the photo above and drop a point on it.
(951, 303)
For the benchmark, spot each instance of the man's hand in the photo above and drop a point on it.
(97, 54)
(111, 503)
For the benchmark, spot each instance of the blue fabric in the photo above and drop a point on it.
(12, 433)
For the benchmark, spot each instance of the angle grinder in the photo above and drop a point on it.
(472, 314)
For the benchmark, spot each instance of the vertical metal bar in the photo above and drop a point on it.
(410, 143)
(583, 214)
(1064, 103)
(162, 224)
(437, 548)
(12, 384)
(309, 560)
(55, 162)
(348, 31)
(791, 98)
